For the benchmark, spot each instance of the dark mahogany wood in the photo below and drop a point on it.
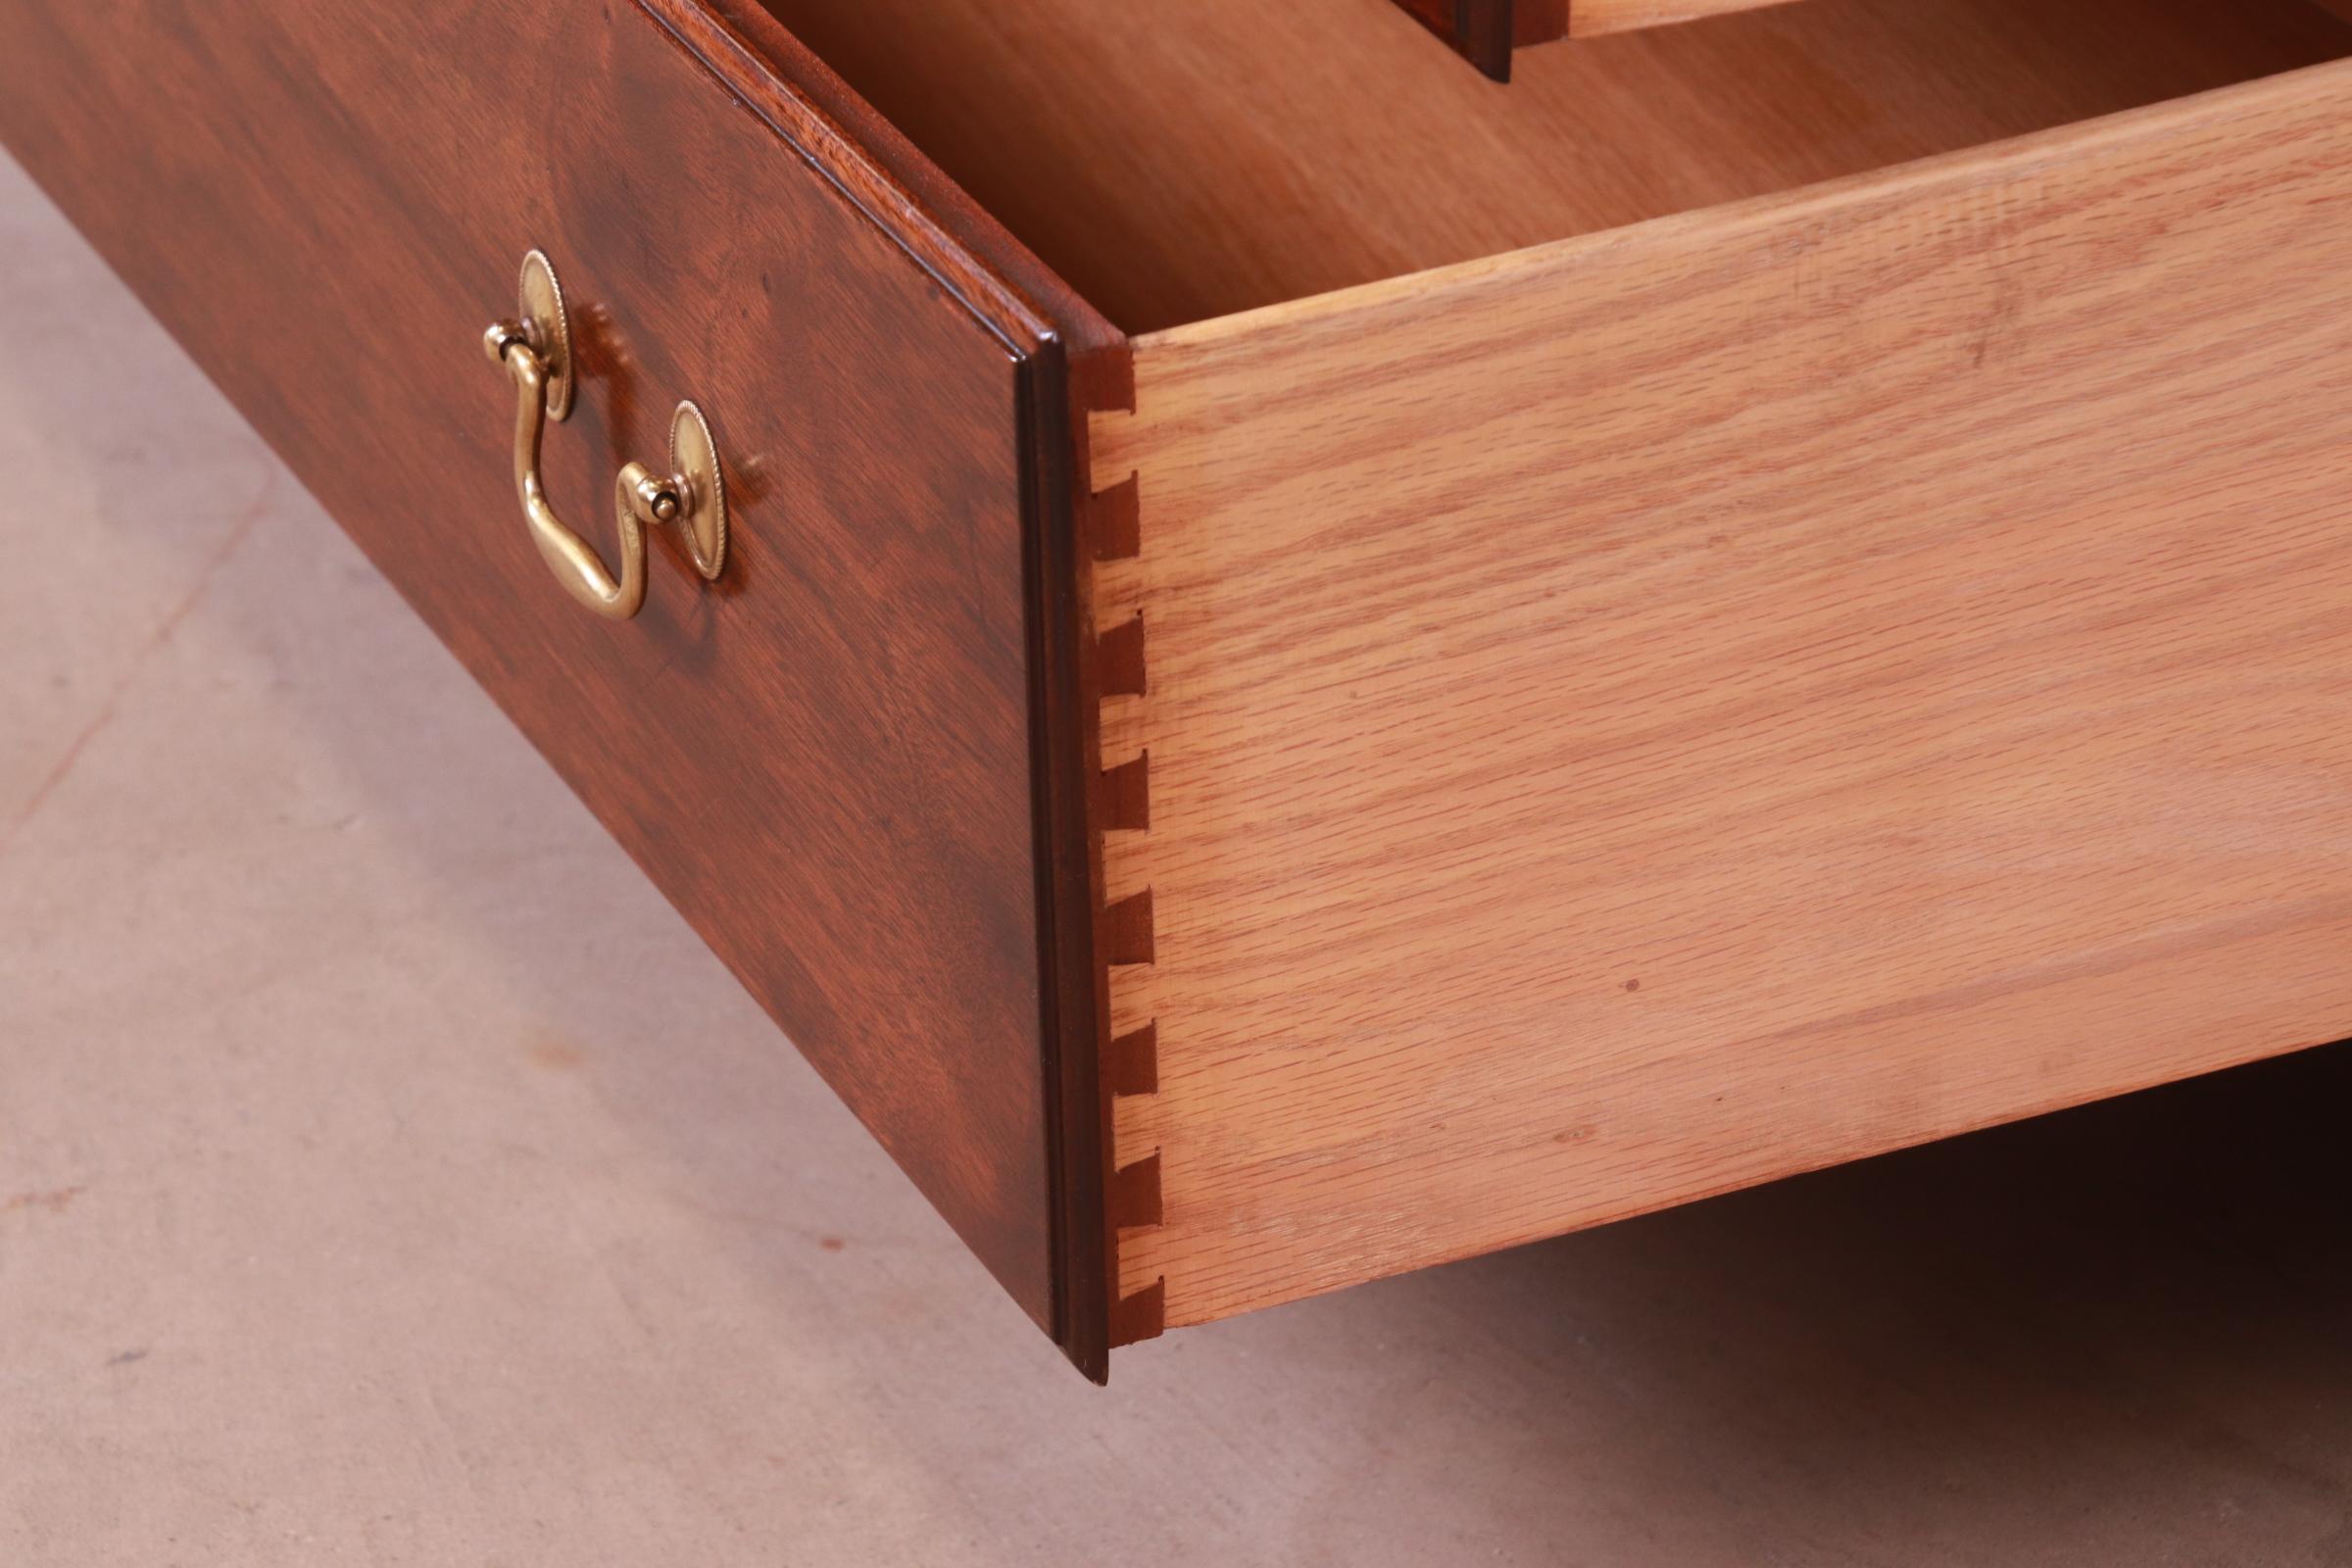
(857, 763)
(1486, 32)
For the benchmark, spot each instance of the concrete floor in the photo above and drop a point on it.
(388, 1176)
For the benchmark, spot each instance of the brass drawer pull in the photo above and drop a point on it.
(536, 354)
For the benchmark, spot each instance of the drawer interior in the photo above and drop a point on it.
(1181, 159)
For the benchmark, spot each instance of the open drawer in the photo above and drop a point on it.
(1322, 668)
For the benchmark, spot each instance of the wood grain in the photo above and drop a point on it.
(1679, 708)
(840, 762)
(1180, 160)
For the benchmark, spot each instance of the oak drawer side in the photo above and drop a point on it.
(1664, 711)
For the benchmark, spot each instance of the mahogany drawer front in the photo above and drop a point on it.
(1327, 670)
(825, 758)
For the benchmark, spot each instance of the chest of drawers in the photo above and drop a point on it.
(1320, 665)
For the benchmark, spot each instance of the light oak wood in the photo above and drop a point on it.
(1591, 18)
(1180, 160)
(1686, 705)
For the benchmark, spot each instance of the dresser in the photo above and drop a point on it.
(1287, 662)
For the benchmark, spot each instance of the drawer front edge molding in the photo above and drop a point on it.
(855, 761)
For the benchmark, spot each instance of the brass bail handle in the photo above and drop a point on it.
(535, 352)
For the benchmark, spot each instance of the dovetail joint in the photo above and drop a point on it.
(1127, 934)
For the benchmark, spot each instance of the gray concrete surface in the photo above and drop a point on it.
(387, 1176)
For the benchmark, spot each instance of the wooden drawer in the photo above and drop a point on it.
(1324, 667)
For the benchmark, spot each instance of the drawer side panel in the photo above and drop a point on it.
(1669, 710)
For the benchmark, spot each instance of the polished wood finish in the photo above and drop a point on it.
(841, 763)
(1667, 711)
(1171, 160)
